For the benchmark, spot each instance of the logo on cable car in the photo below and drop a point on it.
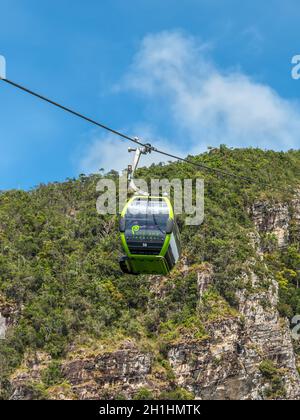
(135, 229)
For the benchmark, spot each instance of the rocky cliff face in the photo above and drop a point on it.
(8, 313)
(276, 219)
(2, 327)
(228, 364)
(89, 376)
(245, 355)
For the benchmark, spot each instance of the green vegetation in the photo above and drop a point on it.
(286, 266)
(52, 375)
(274, 377)
(143, 394)
(213, 307)
(177, 394)
(59, 260)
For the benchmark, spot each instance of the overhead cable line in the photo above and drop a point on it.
(135, 140)
(71, 111)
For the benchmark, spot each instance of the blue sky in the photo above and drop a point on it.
(183, 74)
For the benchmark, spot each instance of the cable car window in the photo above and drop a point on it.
(146, 219)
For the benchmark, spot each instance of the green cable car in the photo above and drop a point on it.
(149, 236)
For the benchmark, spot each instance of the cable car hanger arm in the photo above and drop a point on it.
(143, 150)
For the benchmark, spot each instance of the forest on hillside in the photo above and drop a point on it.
(59, 262)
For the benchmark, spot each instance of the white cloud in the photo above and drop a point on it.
(203, 104)
(209, 105)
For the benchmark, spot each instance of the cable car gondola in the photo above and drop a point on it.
(149, 236)
(149, 233)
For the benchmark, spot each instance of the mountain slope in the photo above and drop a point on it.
(216, 327)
